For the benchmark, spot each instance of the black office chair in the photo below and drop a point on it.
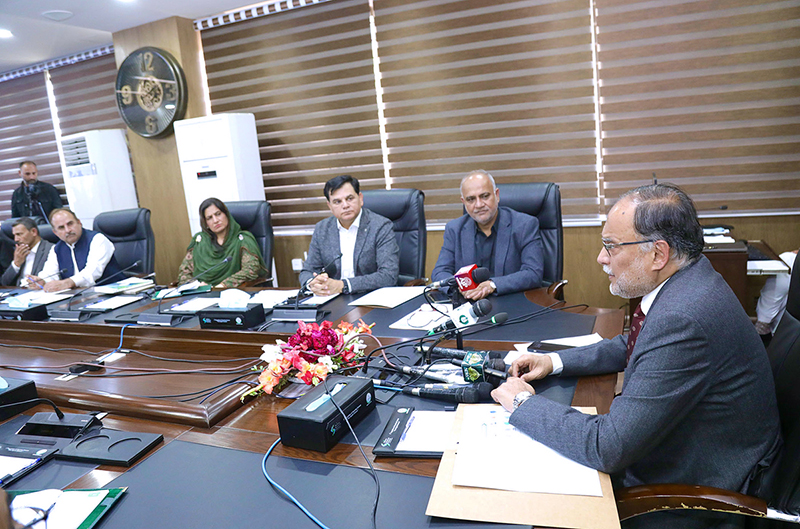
(406, 209)
(781, 482)
(132, 235)
(255, 217)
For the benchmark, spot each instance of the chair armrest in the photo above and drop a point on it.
(556, 290)
(632, 501)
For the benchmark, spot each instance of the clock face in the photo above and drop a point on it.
(151, 92)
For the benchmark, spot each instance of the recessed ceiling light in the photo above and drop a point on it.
(126, 1)
(5, 34)
(58, 15)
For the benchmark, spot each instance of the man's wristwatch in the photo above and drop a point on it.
(345, 287)
(521, 397)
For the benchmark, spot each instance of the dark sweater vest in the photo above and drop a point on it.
(64, 255)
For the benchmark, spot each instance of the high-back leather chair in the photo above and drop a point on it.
(132, 235)
(255, 217)
(406, 209)
(780, 484)
(543, 201)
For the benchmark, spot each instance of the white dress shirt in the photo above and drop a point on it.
(645, 304)
(347, 245)
(27, 266)
(100, 252)
(772, 301)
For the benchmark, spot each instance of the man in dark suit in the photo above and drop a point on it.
(698, 402)
(504, 241)
(30, 253)
(359, 241)
(32, 197)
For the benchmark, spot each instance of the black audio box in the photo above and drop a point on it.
(17, 391)
(217, 318)
(312, 422)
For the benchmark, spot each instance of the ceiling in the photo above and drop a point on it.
(37, 39)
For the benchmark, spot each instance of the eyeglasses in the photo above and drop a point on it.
(31, 517)
(611, 245)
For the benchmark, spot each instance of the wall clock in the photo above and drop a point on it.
(151, 92)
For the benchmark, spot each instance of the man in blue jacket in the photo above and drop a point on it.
(80, 259)
(500, 239)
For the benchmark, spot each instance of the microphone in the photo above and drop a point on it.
(59, 413)
(478, 368)
(420, 371)
(160, 318)
(464, 315)
(465, 276)
(466, 394)
(455, 353)
(73, 315)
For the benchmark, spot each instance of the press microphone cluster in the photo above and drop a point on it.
(465, 394)
(477, 368)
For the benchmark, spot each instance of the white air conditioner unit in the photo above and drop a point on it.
(97, 173)
(219, 158)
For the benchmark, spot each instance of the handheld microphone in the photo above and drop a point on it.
(73, 315)
(467, 275)
(160, 318)
(464, 315)
(447, 352)
(478, 368)
(466, 394)
(420, 371)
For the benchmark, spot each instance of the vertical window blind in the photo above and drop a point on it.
(706, 94)
(26, 133)
(307, 76)
(505, 86)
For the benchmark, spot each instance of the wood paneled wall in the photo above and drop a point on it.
(155, 161)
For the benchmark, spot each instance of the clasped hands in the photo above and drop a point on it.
(524, 369)
(481, 291)
(322, 285)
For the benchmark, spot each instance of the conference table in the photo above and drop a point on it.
(223, 429)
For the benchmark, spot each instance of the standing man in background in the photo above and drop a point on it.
(30, 253)
(33, 198)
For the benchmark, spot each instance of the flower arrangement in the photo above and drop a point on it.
(310, 354)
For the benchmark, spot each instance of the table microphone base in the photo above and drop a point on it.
(149, 318)
(68, 315)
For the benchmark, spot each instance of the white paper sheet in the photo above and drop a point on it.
(518, 462)
(270, 298)
(37, 297)
(426, 431)
(388, 297)
(193, 305)
(113, 303)
(130, 285)
(11, 465)
(71, 508)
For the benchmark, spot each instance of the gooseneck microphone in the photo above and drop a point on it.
(75, 315)
(466, 394)
(161, 318)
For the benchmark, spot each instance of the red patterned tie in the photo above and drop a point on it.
(637, 322)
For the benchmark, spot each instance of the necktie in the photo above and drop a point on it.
(637, 322)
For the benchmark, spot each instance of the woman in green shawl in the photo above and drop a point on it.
(221, 237)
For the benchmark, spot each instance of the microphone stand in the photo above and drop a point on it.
(163, 318)
(76, 315)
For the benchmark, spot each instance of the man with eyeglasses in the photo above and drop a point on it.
(360, 242)
(504, 241)
(698, 401)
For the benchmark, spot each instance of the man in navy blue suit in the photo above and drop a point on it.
(505, 241)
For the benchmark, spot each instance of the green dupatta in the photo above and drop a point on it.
(206, 254)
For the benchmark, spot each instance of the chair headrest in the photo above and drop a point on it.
(793, 300)
(394, 204)
(247, 212)
(119, 223)
(7, 226)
